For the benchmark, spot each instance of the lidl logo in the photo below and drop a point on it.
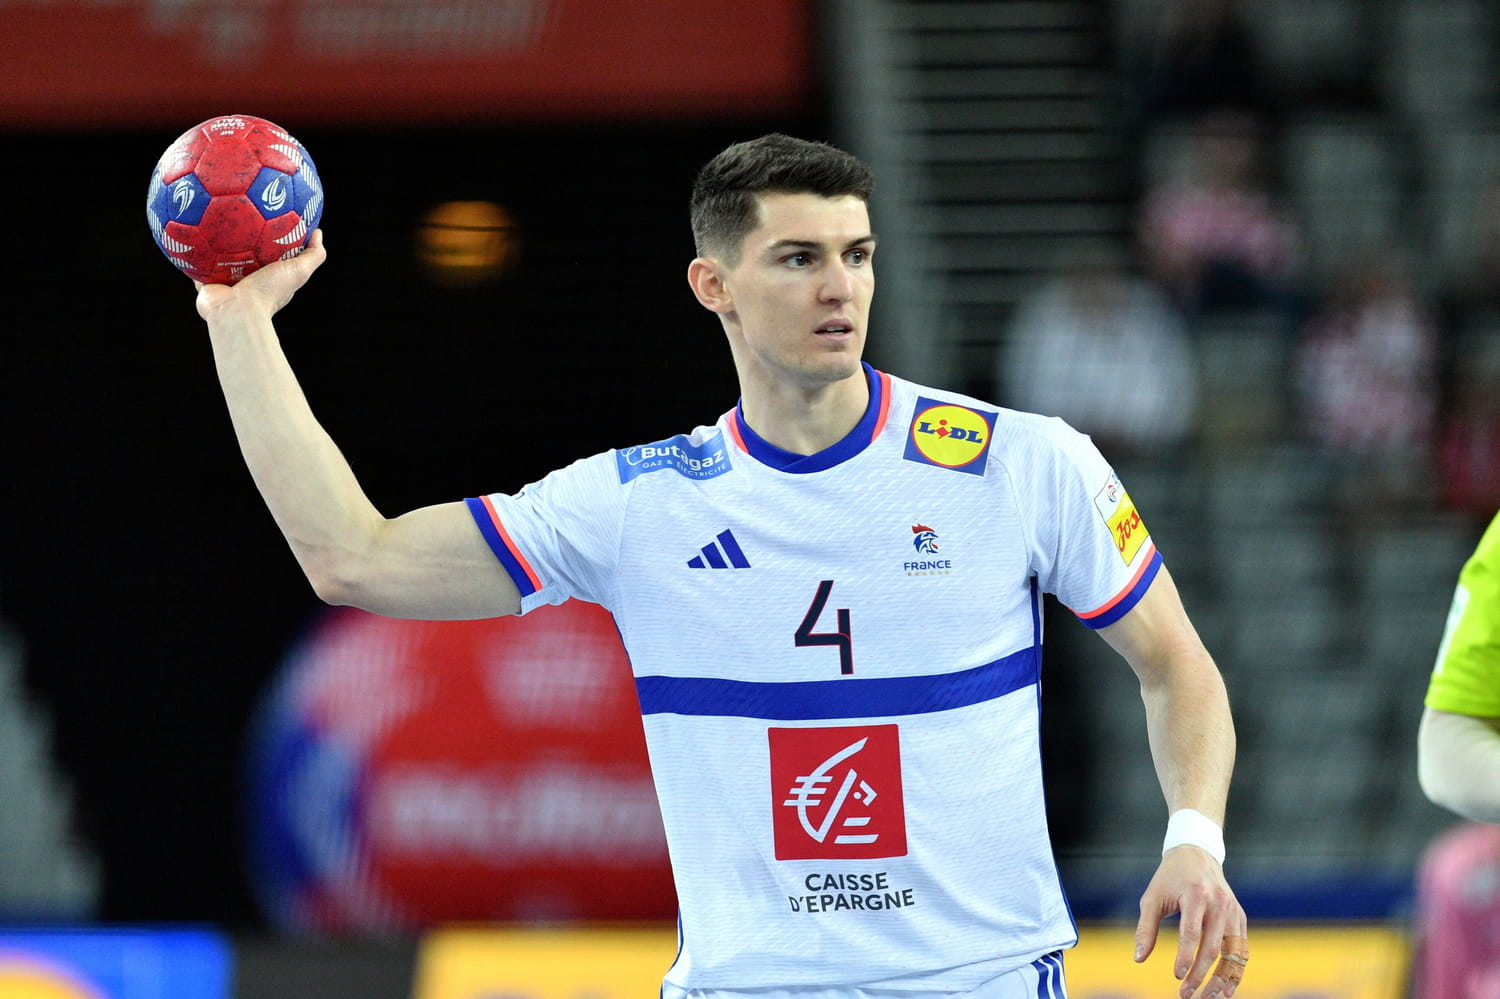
(950, 436)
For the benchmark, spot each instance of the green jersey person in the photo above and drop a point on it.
(1458, 744)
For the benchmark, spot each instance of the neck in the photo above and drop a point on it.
(806, 420)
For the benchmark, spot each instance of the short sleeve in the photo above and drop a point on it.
(1090, 546)
(558, 538)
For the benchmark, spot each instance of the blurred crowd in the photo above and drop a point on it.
(1323, 177)
(1363, 229)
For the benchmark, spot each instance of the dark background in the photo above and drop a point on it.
(154, 594)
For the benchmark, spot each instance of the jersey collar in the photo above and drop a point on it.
(863, 434)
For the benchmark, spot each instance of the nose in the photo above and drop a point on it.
(838, 282)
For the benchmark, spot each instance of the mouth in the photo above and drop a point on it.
(835, 328)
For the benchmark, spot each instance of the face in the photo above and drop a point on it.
(797, 302)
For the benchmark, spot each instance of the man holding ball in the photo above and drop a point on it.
(850, 784)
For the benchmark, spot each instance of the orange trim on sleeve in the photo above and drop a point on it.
(536, 581)
(1147, 552)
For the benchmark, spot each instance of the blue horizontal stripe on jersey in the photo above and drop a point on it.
(847, 697)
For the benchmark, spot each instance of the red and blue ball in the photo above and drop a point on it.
(231, 195)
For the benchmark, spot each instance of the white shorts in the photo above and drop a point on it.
(1041, 979)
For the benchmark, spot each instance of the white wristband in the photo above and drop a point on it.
(1189, 827)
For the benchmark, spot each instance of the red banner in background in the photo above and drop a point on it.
(128, 63)
(405, 774)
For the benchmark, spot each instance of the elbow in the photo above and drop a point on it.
(1461, 801)
(335, 580)
(1458, 760)
(332, 591)
(1458, 801)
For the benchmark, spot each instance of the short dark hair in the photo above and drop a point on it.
(724, 205)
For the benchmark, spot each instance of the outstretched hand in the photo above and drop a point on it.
(270, 288)
(1212, 925)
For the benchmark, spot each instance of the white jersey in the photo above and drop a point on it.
(837, 658)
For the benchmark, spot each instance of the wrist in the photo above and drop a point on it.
(1190, 827)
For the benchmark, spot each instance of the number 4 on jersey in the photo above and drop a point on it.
(843, 638)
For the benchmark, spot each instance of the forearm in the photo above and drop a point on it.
(1192, 742)
(1458, 763)
(303, 477)
(1191, 733)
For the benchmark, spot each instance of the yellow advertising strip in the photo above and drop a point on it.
(1286, 962)
(479, 963)
(20, 979)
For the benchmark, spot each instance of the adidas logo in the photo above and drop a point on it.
(726, 554)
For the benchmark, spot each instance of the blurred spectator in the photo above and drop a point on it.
(1104, 350)
(1366, 377)
(1469, 441)
(1203, 59)
(1215, 237)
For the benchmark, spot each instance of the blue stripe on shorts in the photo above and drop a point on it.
(1049, 976)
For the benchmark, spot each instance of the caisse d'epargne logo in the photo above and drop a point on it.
(836, 792)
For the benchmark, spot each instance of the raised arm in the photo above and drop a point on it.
(1192, 743)
(430, 563)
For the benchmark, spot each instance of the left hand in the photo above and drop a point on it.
(1212, 925)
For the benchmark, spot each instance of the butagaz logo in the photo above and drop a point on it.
(925, 541)
(1122, 518)
(275, 195)
(836, 793)
(950, 436)
(723, 553)
(182, 195)
(693, 461)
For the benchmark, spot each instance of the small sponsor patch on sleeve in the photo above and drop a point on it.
(1122, 518)
(680, 454)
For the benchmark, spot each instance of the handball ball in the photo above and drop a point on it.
(232, 195)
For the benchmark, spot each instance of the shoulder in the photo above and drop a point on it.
(911, 401)
(1486, 557)
(939, 423)
(698, 456)
(695, 456)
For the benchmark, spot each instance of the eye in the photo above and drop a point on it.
(799, 259)
(858, 257)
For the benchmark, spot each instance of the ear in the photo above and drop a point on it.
(705, 277)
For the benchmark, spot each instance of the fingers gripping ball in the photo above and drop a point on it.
(231, 195)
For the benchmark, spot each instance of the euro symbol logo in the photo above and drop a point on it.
(809, 790)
